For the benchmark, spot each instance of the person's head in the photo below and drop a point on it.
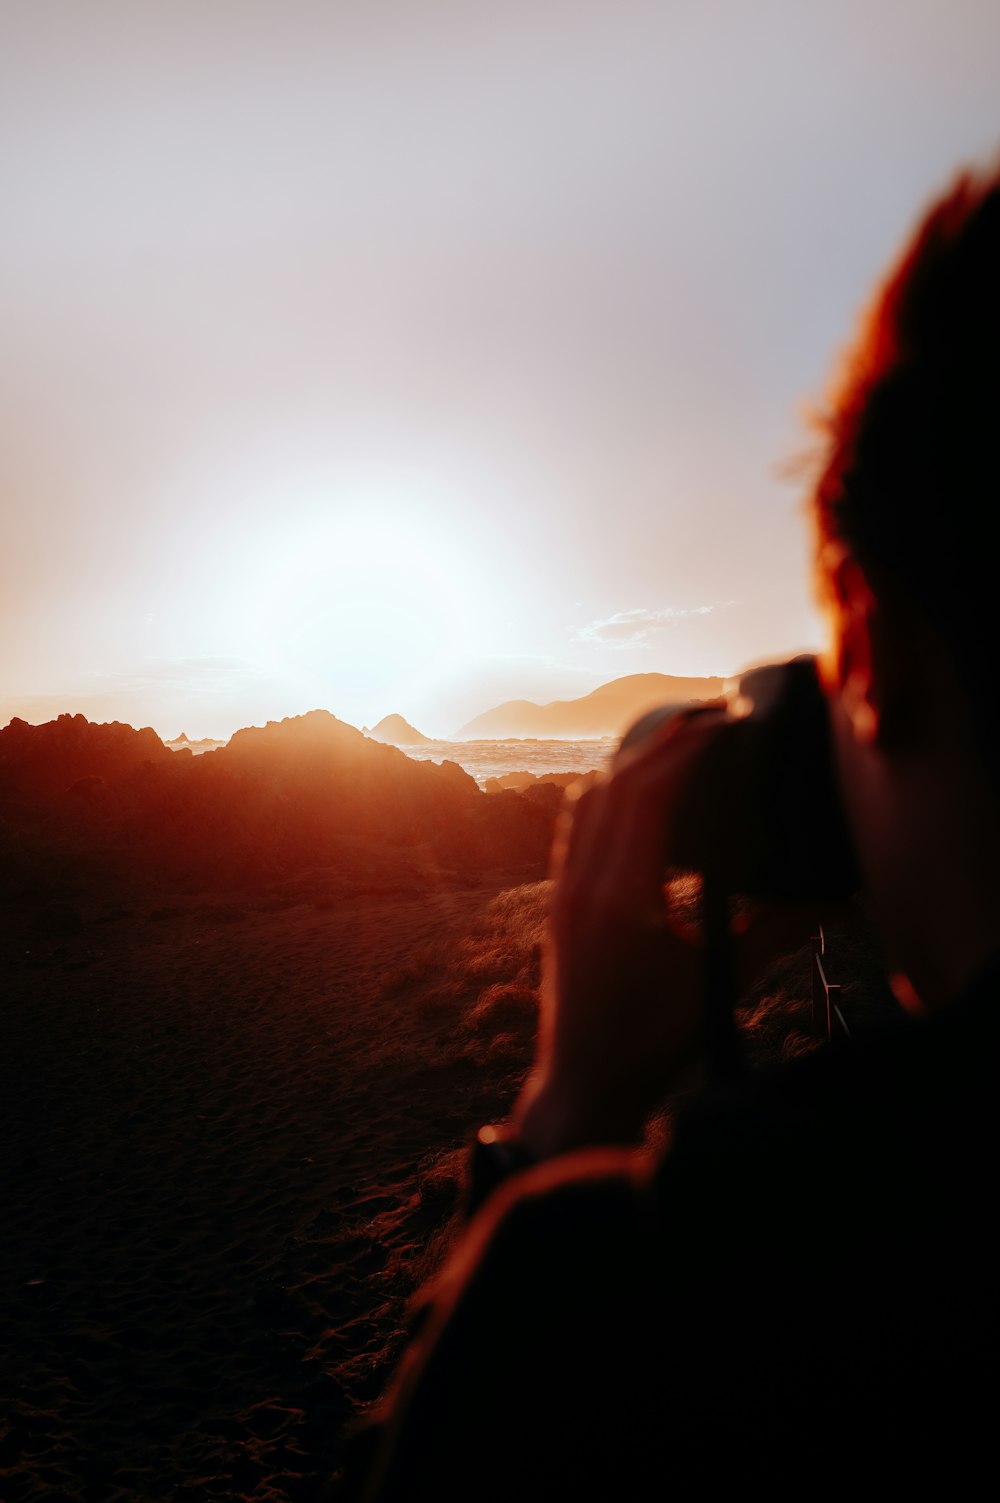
(907, 516)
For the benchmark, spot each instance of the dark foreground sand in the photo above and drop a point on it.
(234, 1136)
(232, 1147)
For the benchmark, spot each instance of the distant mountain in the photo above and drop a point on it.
(608, 711)
(183, 744)
(395, 731)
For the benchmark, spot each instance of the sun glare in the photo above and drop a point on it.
(382, 599)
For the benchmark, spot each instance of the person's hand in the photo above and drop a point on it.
(621, 1012)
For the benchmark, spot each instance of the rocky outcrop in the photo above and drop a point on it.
(42, 761)
(396, 731)
(106, 805)
(519, 781)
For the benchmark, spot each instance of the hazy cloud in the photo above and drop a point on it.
(198, 674)
(637, 628)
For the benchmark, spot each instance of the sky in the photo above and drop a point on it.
(414, 355)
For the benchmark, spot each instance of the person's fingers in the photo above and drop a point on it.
(628, 825)
(641, 801)
(683, 729)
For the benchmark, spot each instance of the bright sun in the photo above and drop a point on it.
(374, 600)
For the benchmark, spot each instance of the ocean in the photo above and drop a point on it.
(492, 759)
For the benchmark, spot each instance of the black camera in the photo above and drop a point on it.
(762, 815)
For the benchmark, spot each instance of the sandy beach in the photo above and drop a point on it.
(232, 1150)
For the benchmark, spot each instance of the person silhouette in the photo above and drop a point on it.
(799, 1292)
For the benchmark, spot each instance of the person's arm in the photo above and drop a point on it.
(621, 993)
(505, 1372)
(621, 1020)
(493, 1393)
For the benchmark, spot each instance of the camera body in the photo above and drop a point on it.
(762, 814)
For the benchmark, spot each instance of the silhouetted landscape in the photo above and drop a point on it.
(256, 1001)
(445, 368)
(396, 731)
(253, 1000)
(309, 802)
(607, 711)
